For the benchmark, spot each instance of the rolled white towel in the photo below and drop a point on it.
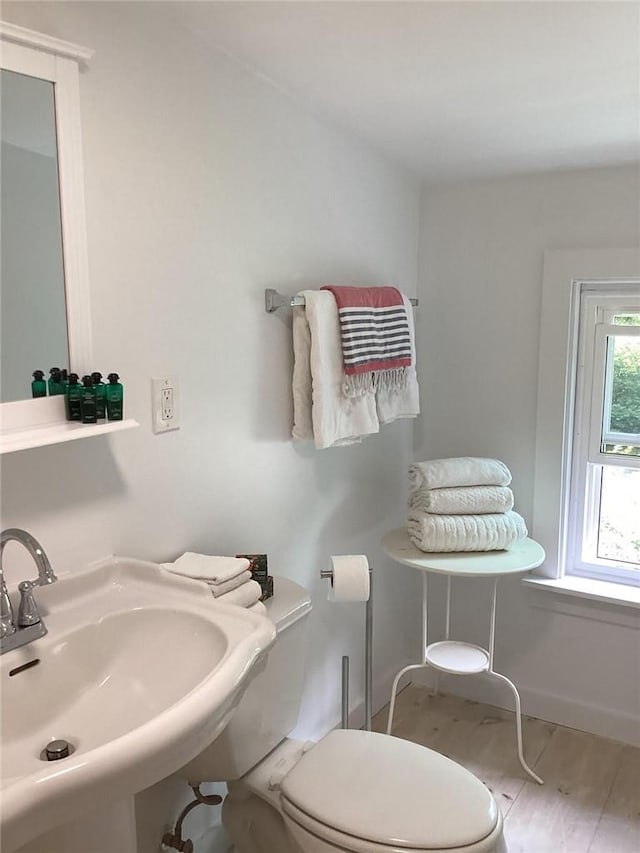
(244, 595)
(489, 532)
(207, 568)
(258, 607)
(458, 471)
(465, 500)
(223, 588)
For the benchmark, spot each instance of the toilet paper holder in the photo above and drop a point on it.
(368, 659)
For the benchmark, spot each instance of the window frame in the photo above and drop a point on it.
(563, 272)
(596, 304)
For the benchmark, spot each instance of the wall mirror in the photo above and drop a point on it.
(45, 317)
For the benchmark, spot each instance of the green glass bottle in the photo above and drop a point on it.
(115, 398)
(73, 398)
(55, 382)
(65, 379)
(101, 395)
(38, 386)
(88, 401)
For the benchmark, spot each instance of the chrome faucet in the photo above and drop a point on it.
(29, 624)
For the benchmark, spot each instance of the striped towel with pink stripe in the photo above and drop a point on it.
(375, 338)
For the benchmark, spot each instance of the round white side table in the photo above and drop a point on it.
(453, 656)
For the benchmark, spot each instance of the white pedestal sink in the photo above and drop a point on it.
(140, 670)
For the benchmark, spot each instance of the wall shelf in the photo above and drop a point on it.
(46, 425)
(40, 436)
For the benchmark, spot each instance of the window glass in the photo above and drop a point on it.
(621, 428)
(619, 522)
(627, 319)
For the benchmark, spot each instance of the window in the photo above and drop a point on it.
(575, 493)
(603, 417)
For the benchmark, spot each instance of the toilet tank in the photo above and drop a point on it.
(268, 710)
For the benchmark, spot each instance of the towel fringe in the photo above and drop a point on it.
(360, 384)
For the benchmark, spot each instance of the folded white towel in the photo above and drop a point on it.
(490, 532)
(258, 607)
(393, 403)
(207, 568)
(223, 588)
(321, 412)
(458, 471)
(244, 595)
(465, 500)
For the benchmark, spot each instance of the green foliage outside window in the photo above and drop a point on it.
(625, 399)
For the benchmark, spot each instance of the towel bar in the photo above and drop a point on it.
(274, 300)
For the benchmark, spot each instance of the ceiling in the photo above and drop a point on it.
(452, 90)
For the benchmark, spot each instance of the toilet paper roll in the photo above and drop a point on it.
(350, 580)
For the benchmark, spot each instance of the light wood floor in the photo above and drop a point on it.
(590, 800)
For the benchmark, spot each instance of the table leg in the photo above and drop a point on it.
(492, 636)
(492, 630)
(394, 688)
(447, 632)
(447, 626)
(524, 764)
(434, 692)
(425, 642)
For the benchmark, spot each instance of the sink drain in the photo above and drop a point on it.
(57, 749)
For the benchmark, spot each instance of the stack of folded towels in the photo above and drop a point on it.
(462, 504)
(228, 578)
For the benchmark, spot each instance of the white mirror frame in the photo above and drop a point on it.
(38, 55)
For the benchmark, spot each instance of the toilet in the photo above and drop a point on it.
(352, 791)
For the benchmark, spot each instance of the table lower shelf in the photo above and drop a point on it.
(457, 658)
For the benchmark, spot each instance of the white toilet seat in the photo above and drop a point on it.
(311, 835)
(409, 798)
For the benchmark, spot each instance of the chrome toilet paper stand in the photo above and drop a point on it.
(368, 659)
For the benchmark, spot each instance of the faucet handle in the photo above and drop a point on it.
(28, 613)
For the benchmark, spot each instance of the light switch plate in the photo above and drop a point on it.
(165, 404)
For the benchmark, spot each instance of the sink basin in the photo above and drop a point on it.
(140, 670)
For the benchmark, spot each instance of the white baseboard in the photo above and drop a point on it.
(563, 711)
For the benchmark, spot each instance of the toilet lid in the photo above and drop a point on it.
(390, 791)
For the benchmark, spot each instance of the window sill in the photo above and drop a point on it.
(596, 590)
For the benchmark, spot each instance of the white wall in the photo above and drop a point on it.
(204, 185)
(480, 289)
